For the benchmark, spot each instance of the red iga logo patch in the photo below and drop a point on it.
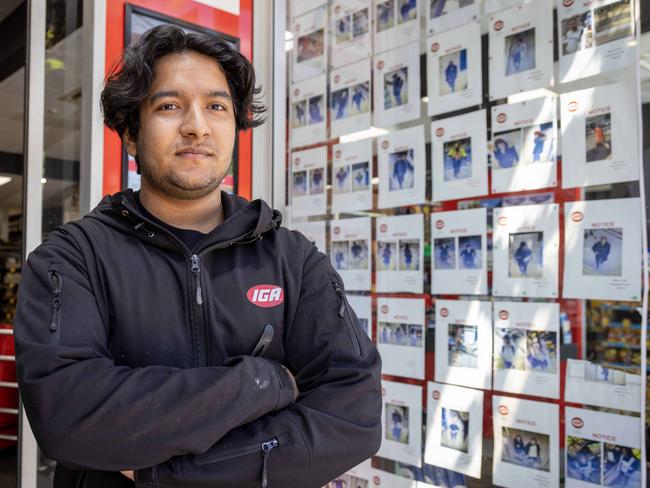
(567, 3)
(296, 92)
(376, 480)
(503, 220)
(385, 144)
(337, 230)
(501, 118)
(337, 78)
(337, 154)
(444, 312)
(440, 224)
(577, 422)
(296, 161)
(503, 315)
(380, 64)
(383, 227)
(498, 25)
(573, 106)
(440, 131)
(384, 309)
(577, 216)
(434, 47)
(503, 410)
(435, 395)
(265, 296)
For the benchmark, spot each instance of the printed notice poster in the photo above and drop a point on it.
(454, 69)
(352, 176)
(299, 7)
(524, 145)
(401, 164)
(350, 98)
(602, 449)
(400, 250)
(526, 348)
(603, 149)
(310, 42)
(308, 180)
(454, 435)
(400, 336)
(464, 343)
(401, 419)
(397, 86)
(602, 245)
(602, 386)
(521, 48)
(314, 232)
(525, 251)
(526, 443)
(350, 251)
(397, 22)
(595, 37)
(362, 306)
(308, 112)
(446, 14)
(351, 39)
(459, 252)
(358, 477)
(459, 157)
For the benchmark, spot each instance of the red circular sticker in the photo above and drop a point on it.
(384, 309)
(577, 422)
(503, 315)
(337, 9)
(384, 145)
(380, 64)
(434, 47)
(501, 118)
(337, 78)
(297, 28)
(383, 227)
(296, 92)
(440, 131)
(337, 154)
(498, 25)
(440, 224)
(573, 106)
(567, 3)
(435, 395)
(503, 410)
(376, 480)
(577, 216)
(444, 312)
(296, 161)
(503, 220)
(337, 230)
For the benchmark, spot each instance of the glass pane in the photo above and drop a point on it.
(13, 22)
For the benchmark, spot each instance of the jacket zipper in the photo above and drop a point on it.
(196, 272)
(343, 313)
(56, 282)
(267, 447)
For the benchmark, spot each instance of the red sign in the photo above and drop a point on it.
(498, 25)
(444, 312)
(577, 422)
(567, 3)
(384, 309)
(436, 395)
(434, 47)
(265, 296)
(501, 118)
(503, 410)
(376, 480)
(440, 131)
(296, 92)
(337, 78)
(503, 315)
(383, 228)
(503, 220)
(337, 230)
(337, 154)
(296, 161)
(577, 216)
(385, 144)
(380, 64)
(440, 224)
(297, 28)
(573, 106)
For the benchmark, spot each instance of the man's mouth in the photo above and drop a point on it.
(194, 153)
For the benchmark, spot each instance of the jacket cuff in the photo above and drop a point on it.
(286, 392)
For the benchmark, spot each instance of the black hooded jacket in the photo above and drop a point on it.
(134, 352)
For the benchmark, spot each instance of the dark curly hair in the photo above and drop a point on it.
(129, 81)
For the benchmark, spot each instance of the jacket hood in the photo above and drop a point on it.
(243, 222)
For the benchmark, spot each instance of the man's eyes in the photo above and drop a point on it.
(212, 106)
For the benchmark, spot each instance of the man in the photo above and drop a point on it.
(401, 169)
(468, 256)
(523, 256)
(451, 72)
(601, 251)
(178, 335)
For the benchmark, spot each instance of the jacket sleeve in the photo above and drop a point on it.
(335, 423)
(86, 412)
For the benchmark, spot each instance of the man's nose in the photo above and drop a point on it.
(195, 123)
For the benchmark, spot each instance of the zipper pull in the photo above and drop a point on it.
(267, 447)
(339, 292)
(196, 269)
(55, 282)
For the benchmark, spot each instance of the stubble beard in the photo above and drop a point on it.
(171, 185)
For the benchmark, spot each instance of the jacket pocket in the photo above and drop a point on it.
(55, 281)
(344, 313)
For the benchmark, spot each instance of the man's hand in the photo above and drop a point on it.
(128, 474)
(293, 380)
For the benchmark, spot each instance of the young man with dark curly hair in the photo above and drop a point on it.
(178, 336)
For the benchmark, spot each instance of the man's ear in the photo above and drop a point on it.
(130, 144)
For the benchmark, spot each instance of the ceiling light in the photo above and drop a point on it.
(363, 134)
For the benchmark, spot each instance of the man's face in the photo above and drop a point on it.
(187, 127)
